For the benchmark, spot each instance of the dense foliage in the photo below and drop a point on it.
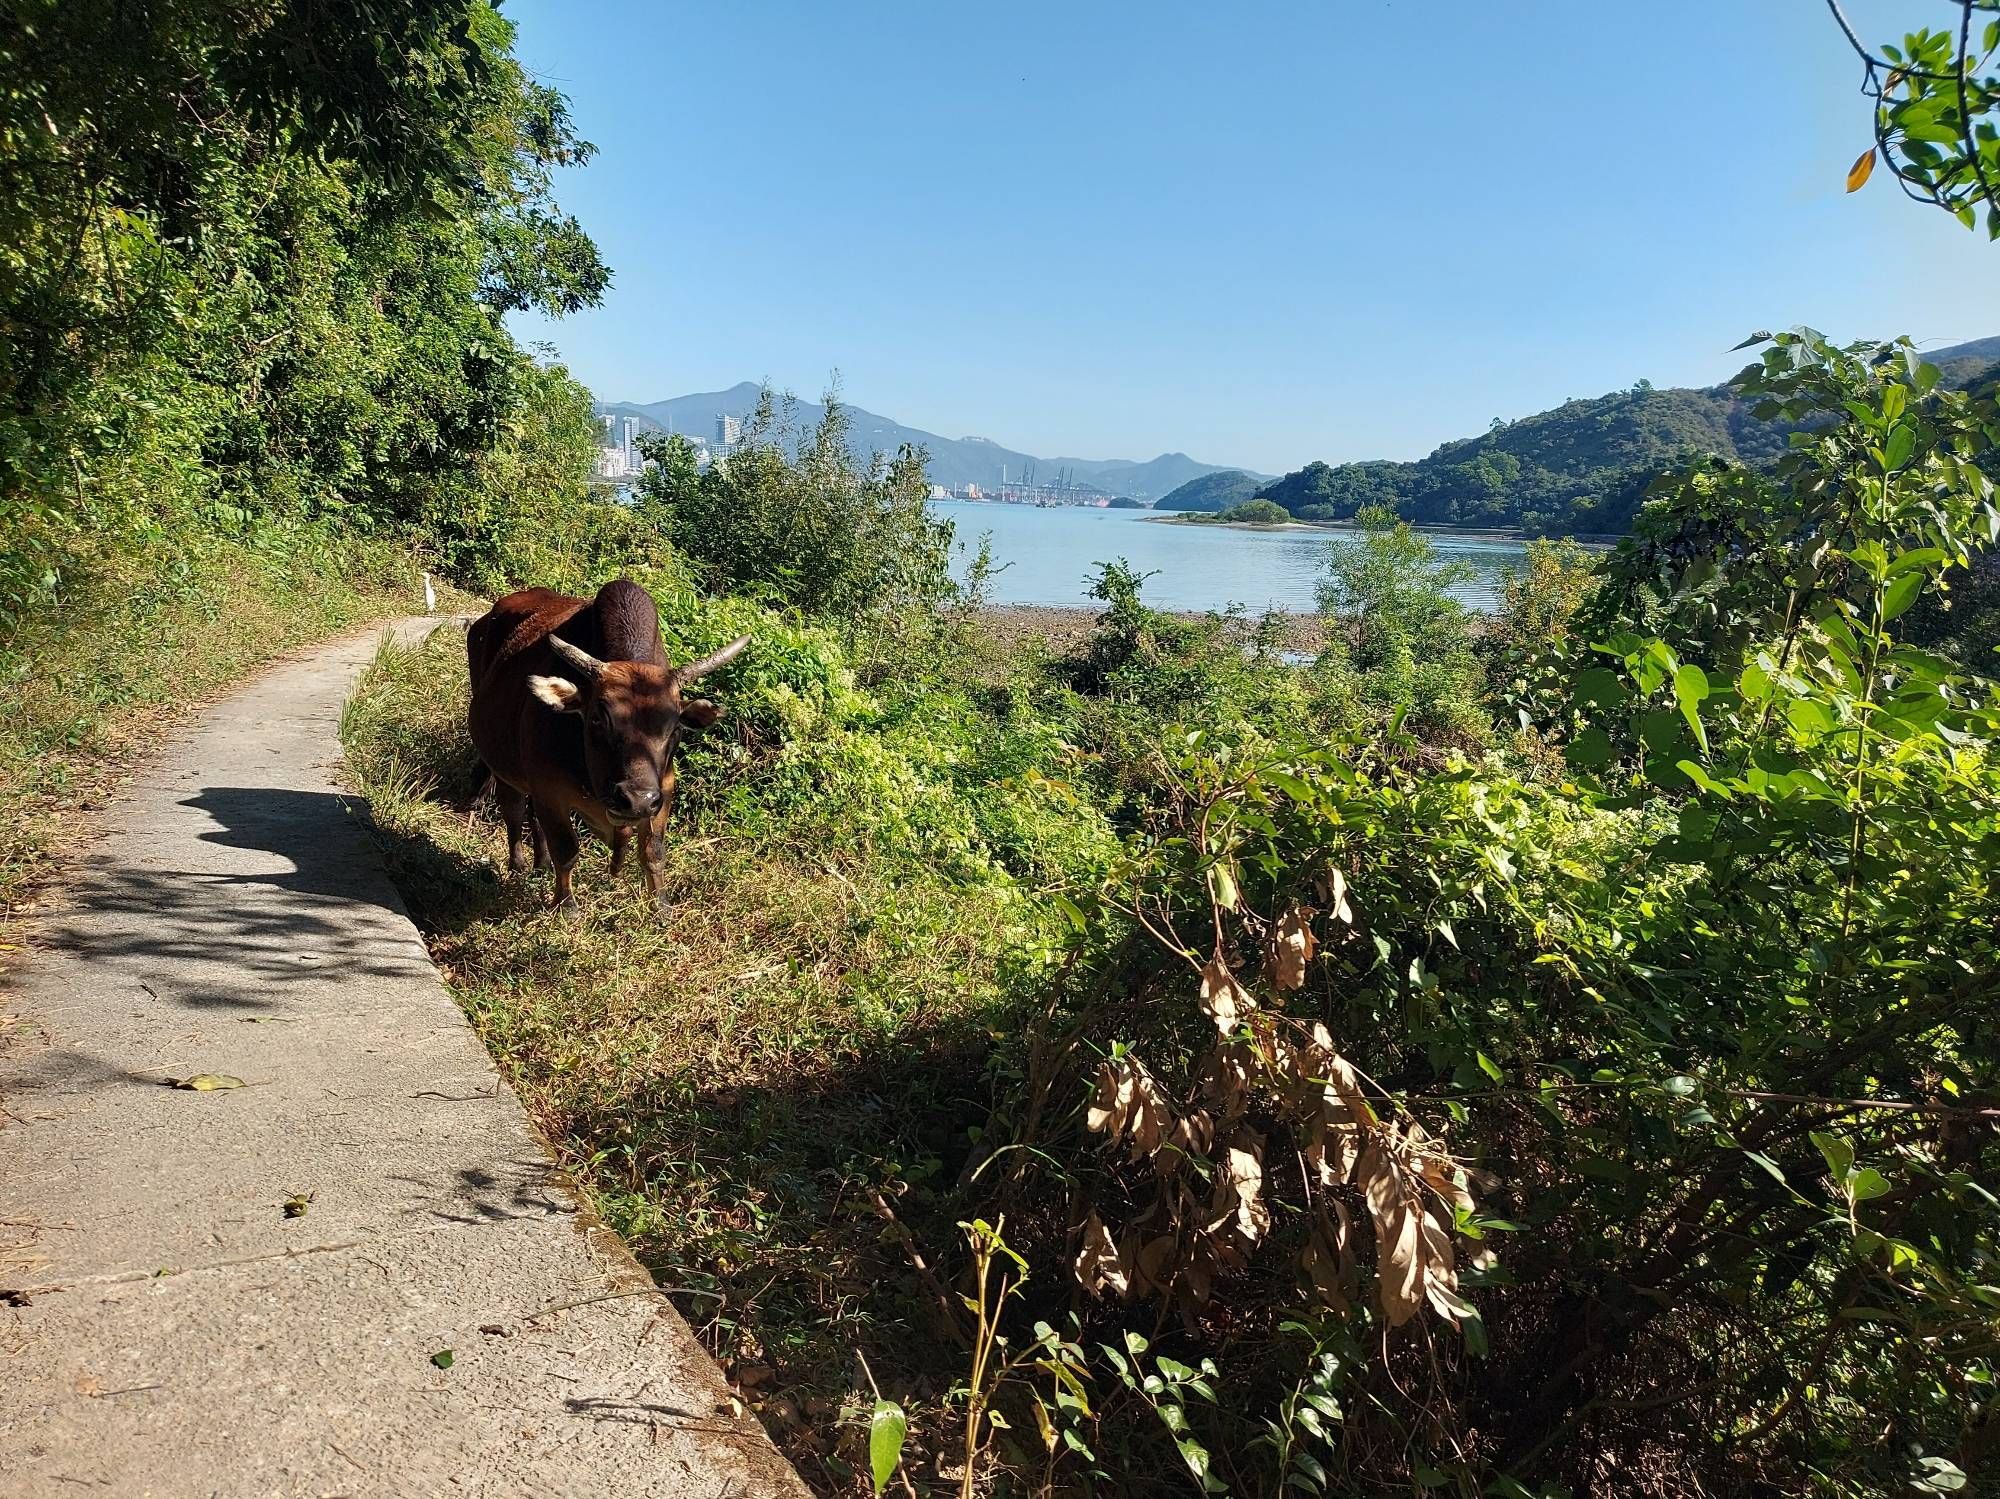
(252, 263)
(1581, 468)
(1255, 513)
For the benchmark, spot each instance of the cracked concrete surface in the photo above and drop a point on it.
(173, 1331)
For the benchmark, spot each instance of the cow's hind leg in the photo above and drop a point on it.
(560, 836)
(621, 839)
(516, 812)
(541, 842)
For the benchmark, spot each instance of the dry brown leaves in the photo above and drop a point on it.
(1292, 948)
(1223, 1000)
(1212, 1206)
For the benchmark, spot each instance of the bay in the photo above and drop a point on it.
(1050, 556)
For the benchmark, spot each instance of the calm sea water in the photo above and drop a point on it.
(1052, 556)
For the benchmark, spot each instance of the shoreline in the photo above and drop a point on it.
(1061, 626)
(1591, 541)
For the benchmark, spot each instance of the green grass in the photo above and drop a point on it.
(93, 683)
(814, 1032)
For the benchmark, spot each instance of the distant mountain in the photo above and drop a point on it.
(1212, 492)
(1968, 363)
(1581, 468)
(953, 461)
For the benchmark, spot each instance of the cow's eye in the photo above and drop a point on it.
(602, 719)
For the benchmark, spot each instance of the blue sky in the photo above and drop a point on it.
(1257, 233)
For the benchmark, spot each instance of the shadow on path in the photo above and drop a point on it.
(304, 901)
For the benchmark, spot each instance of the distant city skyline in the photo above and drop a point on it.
(1225, 233)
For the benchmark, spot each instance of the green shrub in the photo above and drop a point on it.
(812, 530)
(1256, 513)
(1399, 643)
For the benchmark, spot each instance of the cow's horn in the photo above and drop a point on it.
(576, 660)
(720, 659)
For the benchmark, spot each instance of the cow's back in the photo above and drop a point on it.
(510, 632)
(627, 623)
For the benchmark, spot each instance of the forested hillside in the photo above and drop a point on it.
(1579, 469)
(1211, 492)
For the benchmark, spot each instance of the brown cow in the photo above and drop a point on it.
(577, 714)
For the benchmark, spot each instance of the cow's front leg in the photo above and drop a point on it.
(652, 855)
(559, 834)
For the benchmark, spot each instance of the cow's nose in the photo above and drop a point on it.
(640, 803)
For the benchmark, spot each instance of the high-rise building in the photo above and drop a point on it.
(728, 430)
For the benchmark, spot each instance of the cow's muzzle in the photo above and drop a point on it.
(629, 804)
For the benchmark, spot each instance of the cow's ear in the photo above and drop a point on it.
(700, 712)
(559, 693)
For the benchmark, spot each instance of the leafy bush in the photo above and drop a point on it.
(1400, 643)
(813, 532)
(1618, 1122)
(1256, 513)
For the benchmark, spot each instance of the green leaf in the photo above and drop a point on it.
(1809, 716)
(1589, 749)
(1901, 593)
(1661, 731)
(886, 1429)
(1839, 1154)
(1600, 688)
(1768, 1164)
(442, 1358)
(1917, 557)
(1690, 690)
(1225, 888)
(1702, 778)
(1867, 1184)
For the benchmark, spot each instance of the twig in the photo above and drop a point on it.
(1896, 1105)
(924, 1272)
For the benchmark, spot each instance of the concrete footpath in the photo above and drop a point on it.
(440, 1318)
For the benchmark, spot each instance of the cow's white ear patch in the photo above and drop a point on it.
(559, 693)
